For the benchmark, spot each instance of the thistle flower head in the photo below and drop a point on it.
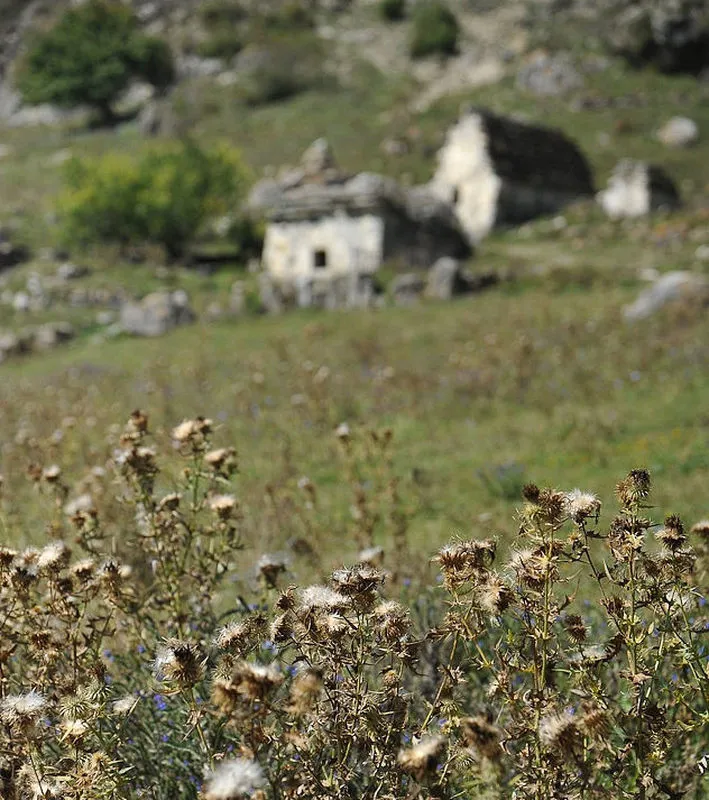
(322, 598)
(482, 736)
(22, 711)
(672, 536)
(192, 430)
(580, 506)
(421, 759)
(559, 730)
(633, 489)
(179, 662)
(223, 505)
(54, 557)
(393, 620)
(234, 779)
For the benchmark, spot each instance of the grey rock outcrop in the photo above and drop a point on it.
(156, 314)
(448, 278)
(636, 188)
(407, 288)
(668, 288)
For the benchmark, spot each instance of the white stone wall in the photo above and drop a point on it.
(628, 192)
(351, 244)
(465, 177)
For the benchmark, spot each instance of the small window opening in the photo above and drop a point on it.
(456, 196)
(320, 259)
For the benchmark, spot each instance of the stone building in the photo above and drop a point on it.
(497, 171)
(636, 188)
(328, 233)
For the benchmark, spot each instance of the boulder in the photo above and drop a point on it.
(156, 314)
(444, 279)
(670, 287)
(636, 188)
(269, 294)
(679, 132)
(47, 337)
(407, 288)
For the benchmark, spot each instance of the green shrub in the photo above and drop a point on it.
(90, 56)
(435, 30)
(165, 197)
(392, 10)
(222, 12)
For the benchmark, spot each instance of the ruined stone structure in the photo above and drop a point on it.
(496, 171)
(328, 233)
(636, 188)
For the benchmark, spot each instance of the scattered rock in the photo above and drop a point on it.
(447, 278)
(156, 314)
(702, 252)
(71, 272)
(407, 288)
(192, 66)
(269, 295)
(318, 158)
(21, 302)
(549, 75)
(636, 188)
(105, 318)
(157, 118)
(671, 286)
(49, 336)
(679, 132)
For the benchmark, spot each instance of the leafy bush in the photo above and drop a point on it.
(165, 197)
(174, 671)
(435, 30)
(392, 10)
(90, 56)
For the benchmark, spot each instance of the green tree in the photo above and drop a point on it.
(165, 197)
(90, 56)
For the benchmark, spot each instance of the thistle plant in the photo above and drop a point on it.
(167, 659)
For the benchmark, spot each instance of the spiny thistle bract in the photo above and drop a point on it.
(175, 663)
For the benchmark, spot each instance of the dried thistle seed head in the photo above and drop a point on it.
(494, 596)
(343, 432)
(576, 628)
(580, 506)
(52, 474)
(559, 730)
(234, 779)
(482, 736)
(701, 528)
(53, 558)
(192, 430)
(595, 722)
(137, 423)
(672, 535)
(633, 489)
(305, 691)
(74, 730)
(531, 493)
(179, 662)
(270, 567)
(372, 556)
(359, 582)
(626, 537)
(255, 681)
(239, 637)
(83, 570)
(7, 556)
(222, 461)
(124, 705)
(422, 759)
(392, 619)
(461, 562)
(22, 711)
(223, 505)
(534, 568)
(322, 598)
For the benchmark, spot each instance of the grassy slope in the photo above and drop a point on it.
(542, 374)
